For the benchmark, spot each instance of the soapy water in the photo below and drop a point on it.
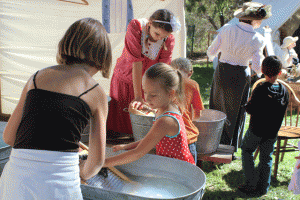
(142, 186)
(155, 187)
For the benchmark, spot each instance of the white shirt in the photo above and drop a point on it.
(153, 47)
(284, 56)
(238, 44)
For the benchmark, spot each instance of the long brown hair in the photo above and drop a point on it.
(161, 15)
(247, 21)
(86, 41)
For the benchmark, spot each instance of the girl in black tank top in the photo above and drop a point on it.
(46, 126)
(60, 117)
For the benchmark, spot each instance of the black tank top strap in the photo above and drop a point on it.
(89, 90)
(34, 77)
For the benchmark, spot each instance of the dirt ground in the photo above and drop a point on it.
(198, 58)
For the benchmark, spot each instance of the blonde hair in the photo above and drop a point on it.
(168, 77)
(86, 41)
(182, 64)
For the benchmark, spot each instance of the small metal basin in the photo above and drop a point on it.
(210, 126)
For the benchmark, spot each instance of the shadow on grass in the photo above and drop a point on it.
(277, 183)
(208, 166)
(228, 195)
(220, 194)
(234, 179)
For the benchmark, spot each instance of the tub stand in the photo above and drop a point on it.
(223, 154)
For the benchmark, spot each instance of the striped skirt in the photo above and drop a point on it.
(41, 174)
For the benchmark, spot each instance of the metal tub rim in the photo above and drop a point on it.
(215, 111)
(202, 187)
(137, 168)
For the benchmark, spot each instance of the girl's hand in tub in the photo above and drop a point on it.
(81, 166)
(118, 147)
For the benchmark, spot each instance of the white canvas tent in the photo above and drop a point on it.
(31, 30)
(281, 12)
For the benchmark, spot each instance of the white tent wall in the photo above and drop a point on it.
(282, 10)
(31, 30)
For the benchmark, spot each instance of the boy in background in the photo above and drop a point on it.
(193, 102)
(266, 107)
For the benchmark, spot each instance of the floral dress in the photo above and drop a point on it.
(121, 88)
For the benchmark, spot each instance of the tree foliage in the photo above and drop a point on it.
(208, 16)
(213, 10)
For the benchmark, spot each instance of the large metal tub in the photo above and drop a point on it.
(4, 148)
(154, 167)
(210, 127)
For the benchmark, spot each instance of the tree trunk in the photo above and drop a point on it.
(212, 22)
(222, 20)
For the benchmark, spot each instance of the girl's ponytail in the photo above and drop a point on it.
(169, 78)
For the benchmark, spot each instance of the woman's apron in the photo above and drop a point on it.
(229, 93)
(41, 174)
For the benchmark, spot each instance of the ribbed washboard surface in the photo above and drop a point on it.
(111, 182)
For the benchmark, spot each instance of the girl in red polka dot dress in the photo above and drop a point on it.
(163, 87)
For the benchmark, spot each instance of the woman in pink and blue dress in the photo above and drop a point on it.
(147, 42)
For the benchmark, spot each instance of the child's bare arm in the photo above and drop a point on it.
(162, 126)
(129, 146)
(197, 104)
(195, 113)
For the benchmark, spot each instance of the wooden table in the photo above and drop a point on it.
(223, 154)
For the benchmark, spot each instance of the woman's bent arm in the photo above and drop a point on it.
(97, 140)
(9, 134)
(137, 68)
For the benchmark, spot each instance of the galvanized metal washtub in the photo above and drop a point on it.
(140, 125)
(153, 167)
(210, 127)
(5, 149)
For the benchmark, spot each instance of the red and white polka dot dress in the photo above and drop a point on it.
(175, 146)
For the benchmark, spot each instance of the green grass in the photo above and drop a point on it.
(203, 76)
(222, 180)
